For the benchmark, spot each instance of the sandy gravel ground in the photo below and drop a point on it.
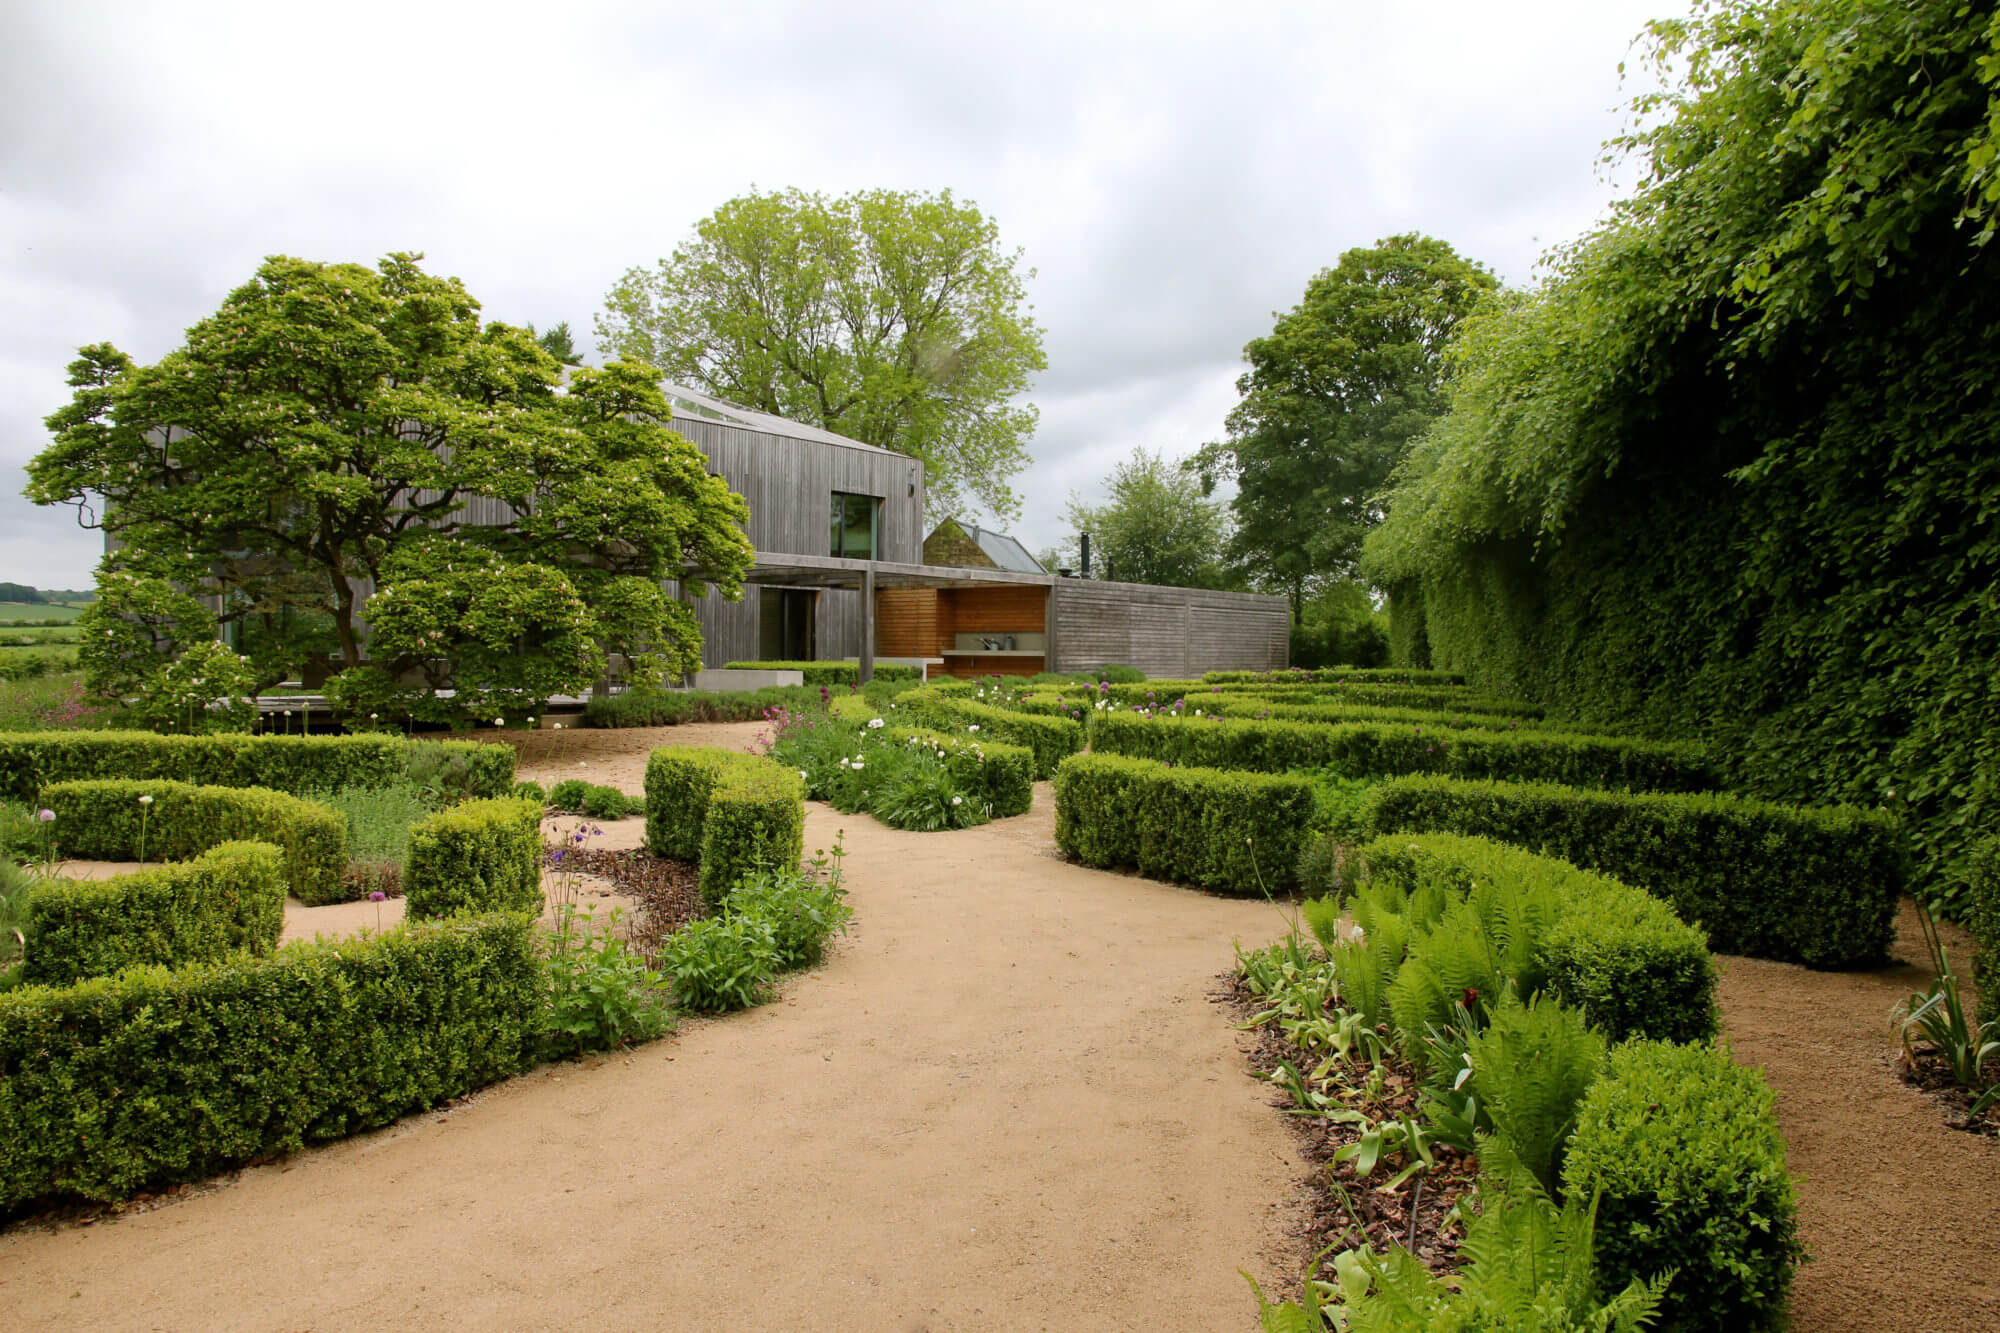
(1004, 1103)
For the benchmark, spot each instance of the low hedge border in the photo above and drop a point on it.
(1336, 675)
(230, 899)
(1002, 776)
(1050, 739)
(832, 673)
(732, 813)
(1234, 832)
(103, 821)
(1364, 749)
(1619, 954)
(151, 1076)
(1808, 884)
(1680, 1147)
(30, 761)
(476, 858)
(1980, 875)
(1257, 706)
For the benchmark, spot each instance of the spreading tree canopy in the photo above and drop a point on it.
(1153, 527)
(334, 432)
(893, 318)
(1332, 399)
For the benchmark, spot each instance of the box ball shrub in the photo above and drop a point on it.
(228, 900)
(104, 820)
(476, 857)
(729, 812)
(1683, 1144)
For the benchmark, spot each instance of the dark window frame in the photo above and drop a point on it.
(840, 517)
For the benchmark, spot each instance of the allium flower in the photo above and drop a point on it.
(958, 800)
(973, 727)
(874, 722)
(378, 896)
(499, 721)
(46, 816)
(802, 773)
(145, 800)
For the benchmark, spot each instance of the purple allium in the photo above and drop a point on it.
(377, 896)
(46, 816)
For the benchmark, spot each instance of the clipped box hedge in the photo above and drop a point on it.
(104, 821)
(230, 899)
(30, 761)
(1336, 675)
(1242, 704)
(1808, 884)
(1231, 831)
(475, 858)
(1367, 750)
(1683, 1144)
(732, 813)
(1619, 954)
(1050, 739)
(1979, 876)
(832, 673)
(1001, 776)
(120, 1083)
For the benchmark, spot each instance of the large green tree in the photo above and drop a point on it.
(334, 431)
(1334, 395)
(1732, 470)
(892, 317)
(1153, 527)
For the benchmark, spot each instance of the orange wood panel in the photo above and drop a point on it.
(906, 622)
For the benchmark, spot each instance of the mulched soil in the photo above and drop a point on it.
(1932, 1074)
(1340, 1210)
(666, 890)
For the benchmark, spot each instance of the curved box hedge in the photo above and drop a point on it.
(228, 900)
(104, 820)
(476, 857)
(1367, 750)
(831, 673)
(1805, 884)
(1619, 954)
(1231, 831)
(731, 812)
(150, 1076)
(30, 761)
(1050, 739)
(1001, 776)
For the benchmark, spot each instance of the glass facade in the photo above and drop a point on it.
(854, 524)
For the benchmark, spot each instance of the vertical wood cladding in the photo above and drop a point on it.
(1167, 631)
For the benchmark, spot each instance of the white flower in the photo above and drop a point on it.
(958, 800)
(858, 765)
(973, 727)
(371, 717)
(499, 721)
(874, 722)
(802, 773)
(843, 763)
(145, 800)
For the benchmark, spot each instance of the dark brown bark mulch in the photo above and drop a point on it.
(667, 890)
(1931, 1073)
(1342, 1210)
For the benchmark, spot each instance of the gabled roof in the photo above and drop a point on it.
(1002, 550)
(705, 407)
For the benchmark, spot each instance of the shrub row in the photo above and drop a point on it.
(1808, 884)
(150, 1076)
(1679, 1146)
(733, 813)
(832, 673)
(1236, 832)
(1000, 776)
(1051, 739)
(1620, 955)
(30, 761)
(1979, 878)
(1432, 699)
(476, 858)
(673, 708)
(230, 899)
(105, 821)
(1361, 749)
(1336, 675)
(1237, 704)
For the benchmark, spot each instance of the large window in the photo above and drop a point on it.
(854, 525)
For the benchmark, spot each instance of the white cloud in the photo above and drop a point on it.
(1175, 173)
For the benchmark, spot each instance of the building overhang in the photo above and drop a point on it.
(827, 571)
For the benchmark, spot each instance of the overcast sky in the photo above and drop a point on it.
(1175, 173)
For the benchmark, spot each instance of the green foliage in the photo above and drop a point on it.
(331, 426)
(1729, 472)
(207, 688)
(1809, 884)
(449, 771)
(996, 777)
(116, 819)
(1380, 750)
(1531, 1067)
(475, 858)
(642, 707)
(133, 632)
(1050, 739)
(152, 1076)
(719, 963)
(803, 910)
(230, 899)
(378, 821)
(1680, 1146)
(529, 791)
(567, 795)
(731, 813)
(1615, 952)
(1153, 527)
(1333, 396)
(1235, 832)
(601, 995)
(891, 317)
(1979, 873)
(608, 803)
(1937, 1018)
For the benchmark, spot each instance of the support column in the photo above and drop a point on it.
(867, 672)
(1049, 630)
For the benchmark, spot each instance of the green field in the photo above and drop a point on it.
(36, 611)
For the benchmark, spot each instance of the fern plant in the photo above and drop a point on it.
(1532, 1064)
(1453, 965)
